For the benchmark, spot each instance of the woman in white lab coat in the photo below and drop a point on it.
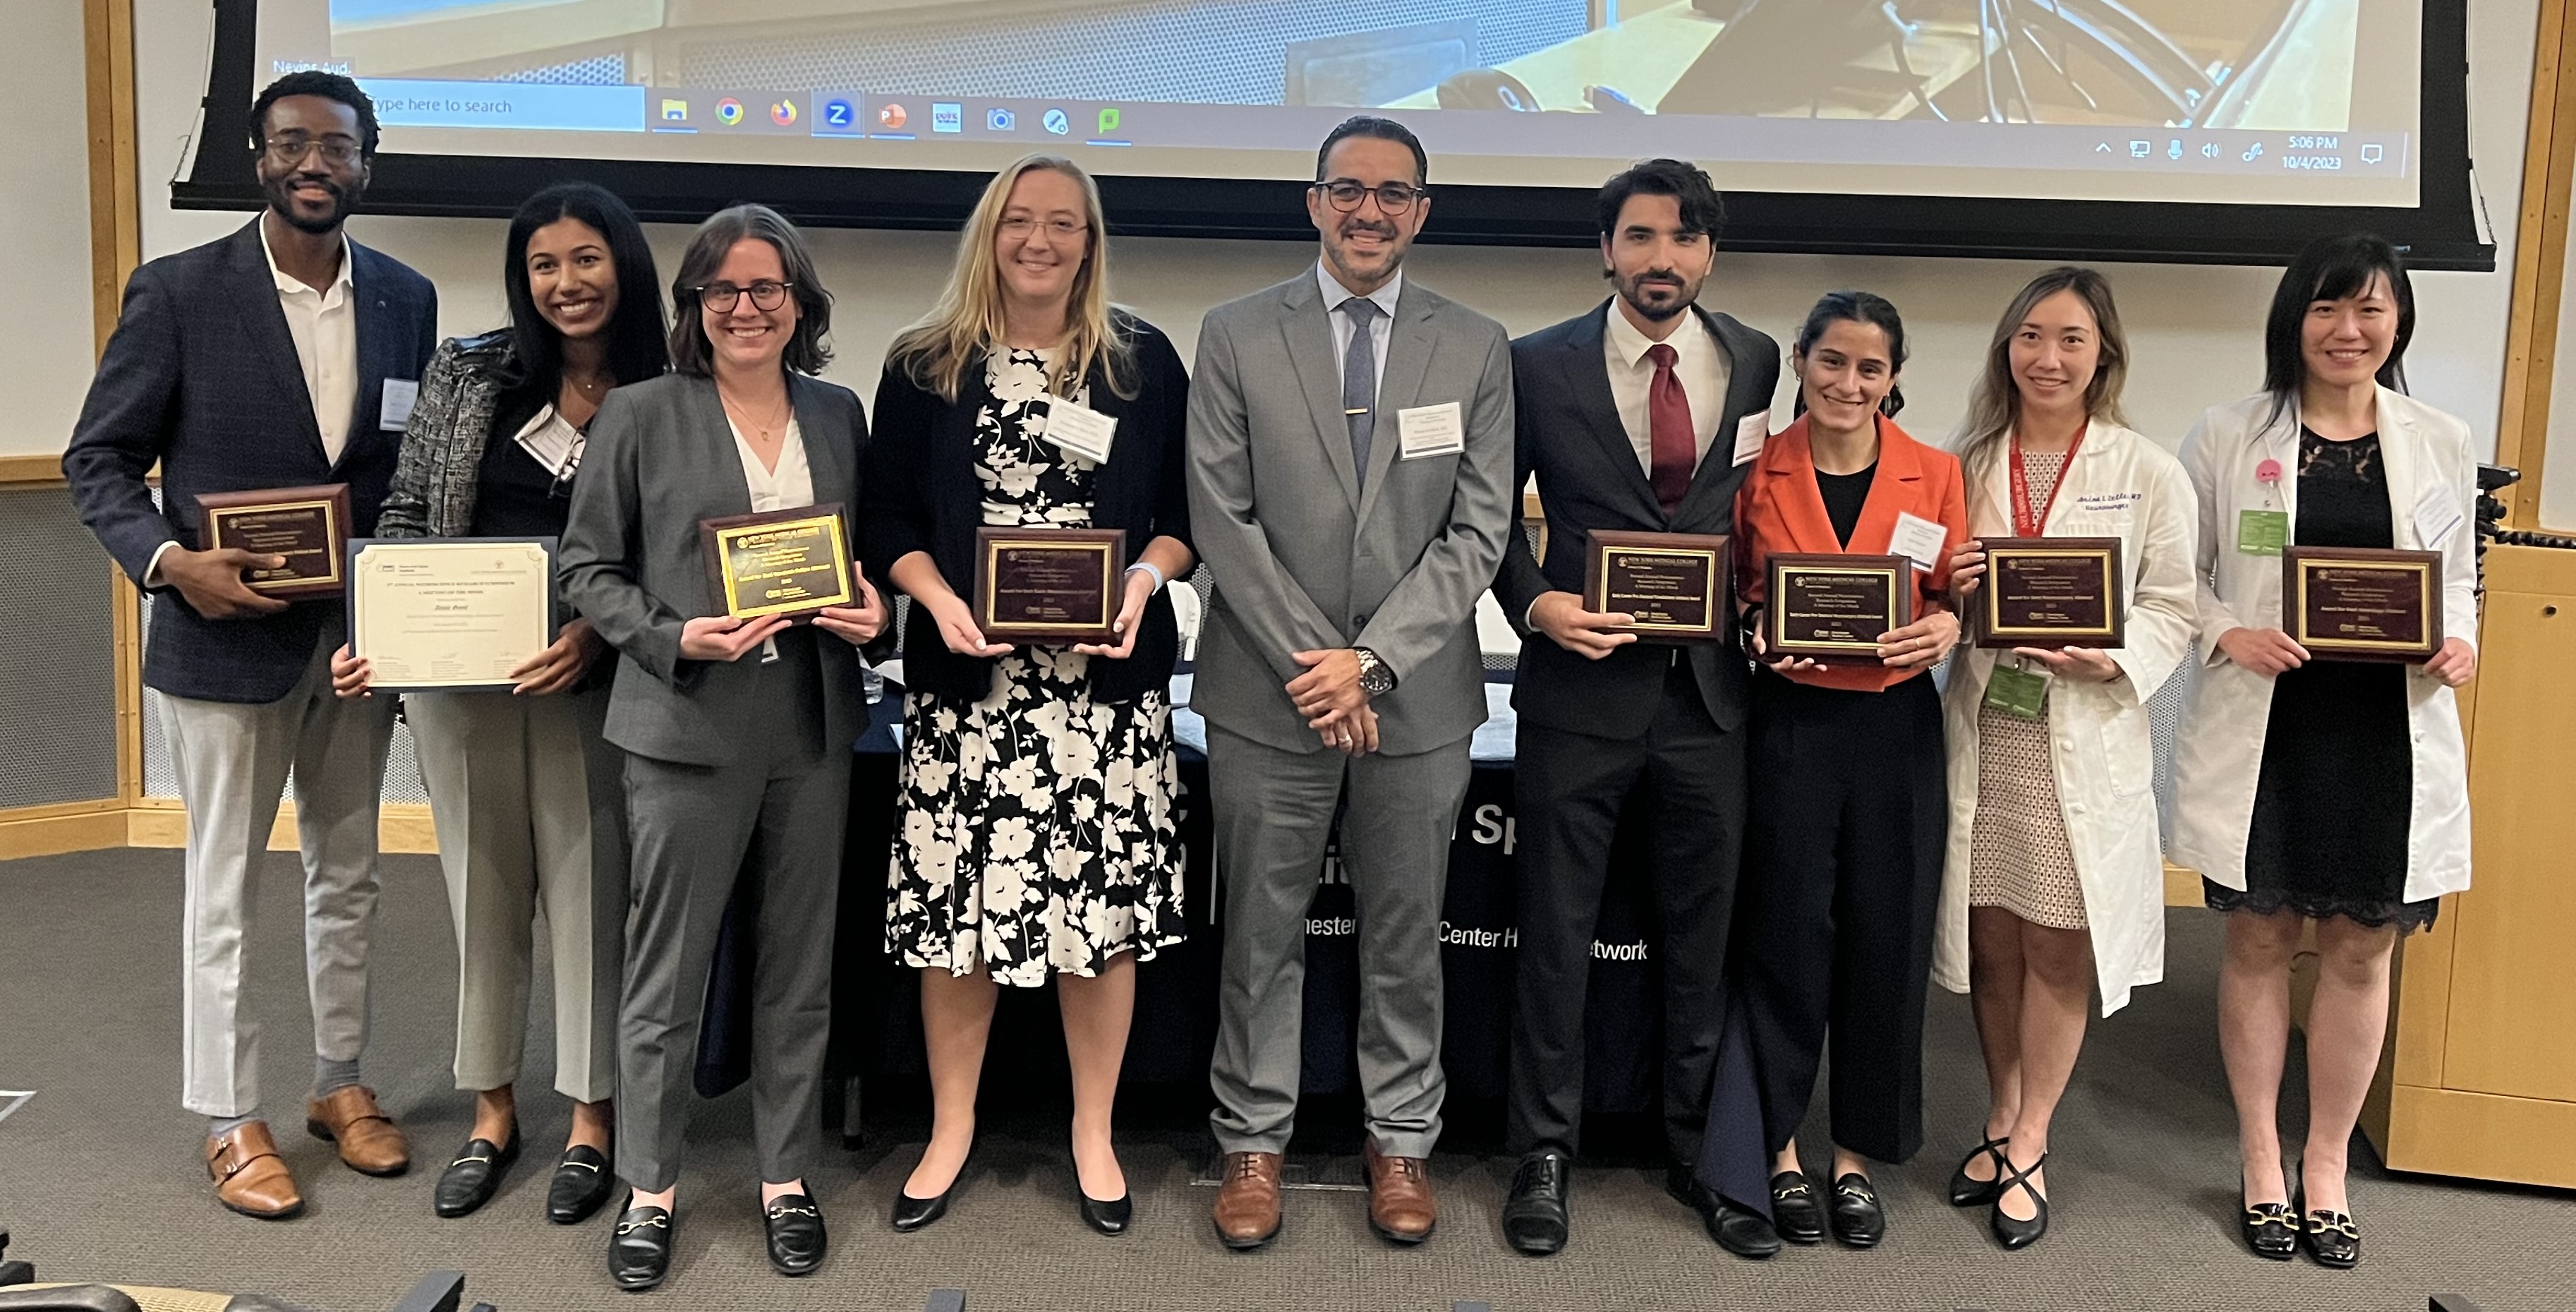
(2054, 879)
(2324, 791)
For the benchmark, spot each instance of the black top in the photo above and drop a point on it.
(921, 494)
(515, 496)
(1844, 495)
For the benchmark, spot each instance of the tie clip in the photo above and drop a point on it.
(1359, 411)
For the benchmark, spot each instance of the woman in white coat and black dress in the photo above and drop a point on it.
(2322, 791)
(2054, 880)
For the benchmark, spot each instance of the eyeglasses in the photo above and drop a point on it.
(1061, 229)
(1392, 197)
(289, 148)
(721, 297)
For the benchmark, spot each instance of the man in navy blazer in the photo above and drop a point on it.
(284, 355)
(1640, 415)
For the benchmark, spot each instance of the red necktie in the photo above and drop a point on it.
(1668, 413)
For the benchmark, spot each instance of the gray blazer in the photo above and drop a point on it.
(441, 467)
(1305, 553)
(660, 458)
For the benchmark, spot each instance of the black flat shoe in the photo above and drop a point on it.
(1967, 1190)
(1109, 1218)
(639, 1249)
(2331, 1238)
(2271, 1229)
(1794, 1211)
(582, 1184)
(2014, 1233)
(1860, 1220)
(796, 1237)
(1534, 1216)
(475, 1175)
(1742, 1231)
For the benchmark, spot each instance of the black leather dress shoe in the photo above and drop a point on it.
(1534, 1219)
(912, 1213)
(1742, 1231)
(796, 1237)
(2271, 1230)
(639, 1249)
(1967, 1190)
(2012, 1232)
(1860, 1220)
(1794, 1209)
(1109, 1218)
(2331, 1237)
(582, 1184)
(475, 1175)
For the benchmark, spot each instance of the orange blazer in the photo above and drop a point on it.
(1779, 510)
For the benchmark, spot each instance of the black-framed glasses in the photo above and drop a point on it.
(288, 149)
(721, 297)
(1392, 197)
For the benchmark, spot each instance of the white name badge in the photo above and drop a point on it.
(2435, 516)
(1431, 430)
(1919, 538)
(394, 411)
(1079, 430)
(1750, 434)
(552, 442)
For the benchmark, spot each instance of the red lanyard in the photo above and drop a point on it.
(2024, 523)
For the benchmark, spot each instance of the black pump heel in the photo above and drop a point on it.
(2012, 1233)
(1968, 1191)
(2271, 1229)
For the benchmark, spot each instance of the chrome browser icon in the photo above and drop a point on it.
(728, 111)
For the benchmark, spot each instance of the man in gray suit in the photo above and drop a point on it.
(1350, 455)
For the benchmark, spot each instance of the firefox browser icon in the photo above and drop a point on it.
(783, 113)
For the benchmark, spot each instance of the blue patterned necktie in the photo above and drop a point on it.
(1359, 380)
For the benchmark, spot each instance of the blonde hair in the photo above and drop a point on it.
(966, 323)
(1995, 404)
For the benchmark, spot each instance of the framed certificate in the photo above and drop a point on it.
(1674, 584)
(450, 613)
(1049, 585)
(2052, 592)
(1831, 609)
(307, 525)
(2361, 604)
(779, 562)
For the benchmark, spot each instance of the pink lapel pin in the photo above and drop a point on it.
(2268, 472)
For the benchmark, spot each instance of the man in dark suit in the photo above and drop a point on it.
(1643, 415)
(282, 356)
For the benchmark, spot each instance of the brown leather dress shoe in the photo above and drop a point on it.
(249, 1176)
(369, 1141)
(1247, 1203)
(1400, 1202)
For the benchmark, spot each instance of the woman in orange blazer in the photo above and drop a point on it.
(1850, 808)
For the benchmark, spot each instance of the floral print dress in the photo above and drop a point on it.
(1037, 829)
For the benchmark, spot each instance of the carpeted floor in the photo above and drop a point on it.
(99, 1174)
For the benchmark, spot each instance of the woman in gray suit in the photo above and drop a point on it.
(737, 731)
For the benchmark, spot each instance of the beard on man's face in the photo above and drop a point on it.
(1657, 294)
(279, 191)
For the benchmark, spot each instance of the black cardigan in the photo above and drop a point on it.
(921, 494)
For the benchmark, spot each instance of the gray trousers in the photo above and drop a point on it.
(1274, 815)
(232, 760)
(773, 817)
(531, 817)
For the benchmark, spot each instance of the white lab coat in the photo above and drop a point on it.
(2432, 498)
(2101, 743)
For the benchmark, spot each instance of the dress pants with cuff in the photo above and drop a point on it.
(772, 817)
(232, 760)
(1273, 820)
(1842, 880)
(1570, 790)
(530, 810)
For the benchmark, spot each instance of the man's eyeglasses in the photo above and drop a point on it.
(1019, 229)
(1392, 197)
(721, 297)
(288, 149)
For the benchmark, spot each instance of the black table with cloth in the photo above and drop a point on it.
(876, 1019)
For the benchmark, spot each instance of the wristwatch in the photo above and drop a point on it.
(1375, 678)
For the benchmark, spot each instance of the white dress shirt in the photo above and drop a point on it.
(788, 487)
(1381, 328)
(324, 325)
(1700, 364)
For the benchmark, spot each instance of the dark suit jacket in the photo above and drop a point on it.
(661, 458)
(1588, 478)
(923, 496)
(201, 376)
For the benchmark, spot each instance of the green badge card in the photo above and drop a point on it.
(2018, 692)
(2262, 532)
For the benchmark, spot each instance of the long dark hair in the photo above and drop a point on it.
(1994, 404)
(2330, 269)
(809, 348)
(534, 374)
(1855, 307)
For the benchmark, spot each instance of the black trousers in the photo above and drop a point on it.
(1842, 880)
(1570, 789)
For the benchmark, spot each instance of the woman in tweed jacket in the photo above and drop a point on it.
(523, 790)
